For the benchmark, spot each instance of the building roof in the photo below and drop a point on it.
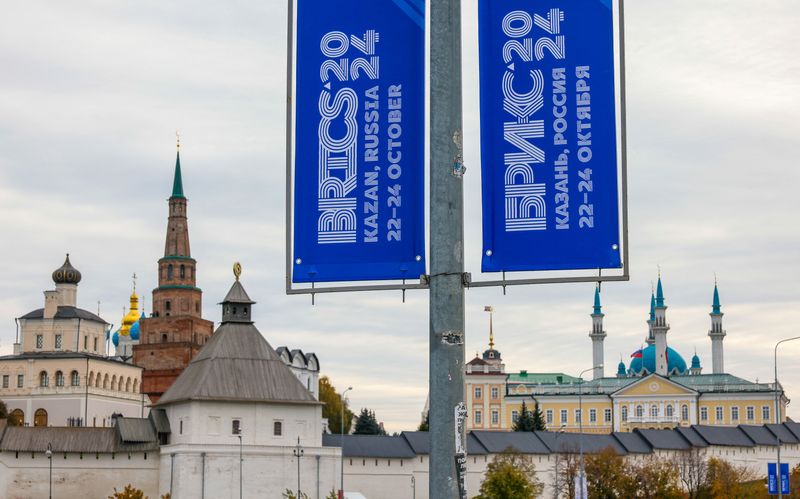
(758, 434)
(177, 181)
(237, 294)
(160, 421)
(65, 312)
(783, 432)
(237, 364)
(370, 445)
(420, 443)
(664, 439)
(69, 439)
(541, 378)
(572, 442)
(723, 435)
(633, 442)
(691, 435)
(522, 441)
(136, 430)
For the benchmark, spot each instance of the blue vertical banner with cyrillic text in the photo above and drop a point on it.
(359, 140)
(549, 135)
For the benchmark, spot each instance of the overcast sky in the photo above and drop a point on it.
(91, 94)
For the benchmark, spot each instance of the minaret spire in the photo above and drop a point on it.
(660, 329)
(597, 335)
(652, 317)
(177, 181)
(490, 309)
(717, 334)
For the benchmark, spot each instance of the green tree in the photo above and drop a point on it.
(425, 425)
(510, 475)
(524, 420)
(726, 480)
(333, 407)
(657, 478)
(367, 424)
(129, 492)
(3, 410)
(538, 418)
(607, 475)
(289, 494)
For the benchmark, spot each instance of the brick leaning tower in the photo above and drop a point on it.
(175, 332)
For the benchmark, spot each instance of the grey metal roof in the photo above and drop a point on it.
(522, 441)
(633, 442)
(572, 442)
(237, 364)
(690, 434)
(723, 435)
(237, 294)
(136, 430)
(66, 312)
(783, 432)
(69, 439)
(793, 427)
(664, 439)
(420, 443)
(160, 421)
(370, 445)
(758, 434)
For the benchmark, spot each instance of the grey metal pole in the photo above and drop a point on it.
(446, 370)
(580, 426)
(49, 454)
(778, 413)
(241, 463)
(341, 445)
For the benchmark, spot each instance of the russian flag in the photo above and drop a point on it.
(637, 354)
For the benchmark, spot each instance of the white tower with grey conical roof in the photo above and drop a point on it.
(717, 334)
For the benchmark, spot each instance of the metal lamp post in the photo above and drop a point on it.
(580, 427)
(241, 462)
(49, 454)
(341, 444)
(778, 412)
(298, 452)
(558, 452)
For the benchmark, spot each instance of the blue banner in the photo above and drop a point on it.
(359, 140)
(772, 478)
(548, 135)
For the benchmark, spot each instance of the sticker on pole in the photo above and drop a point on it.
(359, 141)
(550, 144)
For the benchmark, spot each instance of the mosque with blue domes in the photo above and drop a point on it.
(657, 389)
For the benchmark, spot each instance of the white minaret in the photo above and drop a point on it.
(717, 334)
(597, 335)
(652, 318)
(660, 328)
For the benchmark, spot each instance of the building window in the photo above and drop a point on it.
(563, 416)
(704, 414)
(478, 417)
(59, 378)
(277, 428)
(76, 378)
(58, 342)
(169, 271)
(477, 392)
(765, 413)
(751, 413)
(20, 380)
(624, 412)
(163, 337)
(183, 271)
(40, 418)
(44, 379)
(719, 413)
(685, 412)
(495, 393)
(5, 381)
(16, 418)
(734, 413)
(180, 427)
(549, 416)
(607, 415)
(39, 341)
(236, 427)
(495, 417)
(592, 415)
(639, 411)
(168, 305)
(95, 344)
(514, 416)
(669, 411)
(85, 342)
(577, 415)
(654, 411)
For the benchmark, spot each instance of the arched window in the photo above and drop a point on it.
(654, 410)
(135, 386)
(59, 378)
(128, 385)
(639, 411)
(624, 412)
(669, 411)
(169, 271)
(44, 379)
(685, 412)
(183, 271)
(75, 378)
(114, 382)
(163, 337)
(16, 418)
(105, 381)
(40, 418)
(91, 379)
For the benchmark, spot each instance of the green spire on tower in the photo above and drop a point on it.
(597, 306)
(715, 307)
(177, 183)
(659, 293)
(652, 307)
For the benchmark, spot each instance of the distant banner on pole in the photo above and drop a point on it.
(359, 141)
(549, 135)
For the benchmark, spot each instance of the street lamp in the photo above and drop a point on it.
(341, 444)
(580, 428)
(778, 412)
(298, 452)
(49, 454)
